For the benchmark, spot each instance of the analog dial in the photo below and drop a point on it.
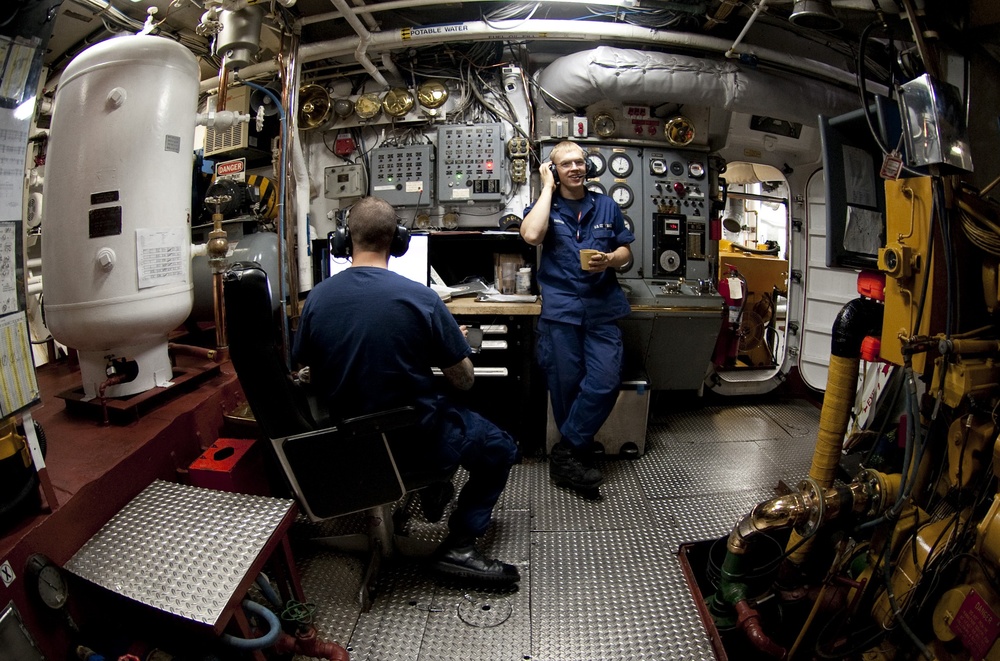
(621, 194)
(595, 187)
(657, 166)
(599, 164)
(621, 165)
(49, 583)
(696, 169)
(604, 125)
(629, 225)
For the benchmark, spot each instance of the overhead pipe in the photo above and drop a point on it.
(746, 28)
(552, 30)
(364, 39)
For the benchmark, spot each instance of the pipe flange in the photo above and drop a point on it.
(876, 490)
(812, 497)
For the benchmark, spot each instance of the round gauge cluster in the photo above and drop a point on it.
(598, 163)
(595, 187)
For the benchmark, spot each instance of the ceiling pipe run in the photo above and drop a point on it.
(364, 39)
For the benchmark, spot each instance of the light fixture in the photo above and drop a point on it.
(815, 15)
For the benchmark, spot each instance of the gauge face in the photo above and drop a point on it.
(677, 168)
(670, 261)
(599, 164)
(49, 582)
(595, 187)
(621, 165)
(629, 225)
(367, 106)
(679, 131)
(621, 194)
(604, 125)
(657, 166)
(696, 169)
(397, 102)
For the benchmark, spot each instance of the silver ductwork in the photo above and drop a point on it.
(652, 78)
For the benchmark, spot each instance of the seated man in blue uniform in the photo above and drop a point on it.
(370, 337)
(579, 342)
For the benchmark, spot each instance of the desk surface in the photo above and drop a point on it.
(469, 305)
(185, 550)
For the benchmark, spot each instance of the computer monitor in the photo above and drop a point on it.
(414, 264)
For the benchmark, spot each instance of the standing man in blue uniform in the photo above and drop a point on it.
(371, 337)
(579, 342)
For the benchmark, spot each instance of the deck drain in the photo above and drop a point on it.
(484, 613)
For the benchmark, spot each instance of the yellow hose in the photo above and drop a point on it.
(841, 387)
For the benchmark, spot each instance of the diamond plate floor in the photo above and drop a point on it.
(600, 579)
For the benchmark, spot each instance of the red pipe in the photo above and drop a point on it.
(305, 643)
(749, 620)
(202, 352)
(111, 380)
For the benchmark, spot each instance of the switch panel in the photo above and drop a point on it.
(342, 181)
(402, 176)
(470, 163)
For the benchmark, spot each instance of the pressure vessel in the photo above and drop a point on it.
(116, 232)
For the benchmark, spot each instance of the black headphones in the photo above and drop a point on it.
(340, 242)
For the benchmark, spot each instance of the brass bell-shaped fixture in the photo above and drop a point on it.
(368, 106)
(397, 102)
(679, 131)
(314, 106)
(432, 94)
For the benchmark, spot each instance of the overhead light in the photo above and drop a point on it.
(815, 15)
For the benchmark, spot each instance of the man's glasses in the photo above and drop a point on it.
(566, 165)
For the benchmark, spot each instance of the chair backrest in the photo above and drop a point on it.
(278, 403)
(332, 471)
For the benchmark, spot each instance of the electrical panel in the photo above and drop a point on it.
(343, 181)
(402, 176)
(470, 163)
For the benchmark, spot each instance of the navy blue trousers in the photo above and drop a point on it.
(582, 367)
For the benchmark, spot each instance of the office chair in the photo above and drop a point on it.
(333, 470)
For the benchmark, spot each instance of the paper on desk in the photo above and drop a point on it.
(507, 298)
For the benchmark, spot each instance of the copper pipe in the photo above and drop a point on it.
(110, 381)
(220, 101)
(190, 350)
(307, 644)
(749, 620)
(219, 311)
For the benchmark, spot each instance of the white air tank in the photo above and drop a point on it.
(116, 236)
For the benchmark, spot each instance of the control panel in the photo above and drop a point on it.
(676, 184)
(669, 238)
(402, 176)
(343, 181)
(470, 163)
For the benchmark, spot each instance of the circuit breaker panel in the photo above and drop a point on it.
(402, 176)
(470, 163)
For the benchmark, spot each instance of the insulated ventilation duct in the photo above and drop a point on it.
(583, 78)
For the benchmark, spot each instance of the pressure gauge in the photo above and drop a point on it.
(397, 102)
(629, 225)
(599, 164)
(604, 125)
(47, 581)
(367, 106)
(679, 131)
(621, 165)
(432, 94)
(696, 169)
(621, 194)
(657, 166)
(595, 187)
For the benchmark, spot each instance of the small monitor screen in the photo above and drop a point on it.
(414, 264)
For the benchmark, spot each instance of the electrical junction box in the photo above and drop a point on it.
(580, 126)
(402, 176)
(343, 181)
(470, 163)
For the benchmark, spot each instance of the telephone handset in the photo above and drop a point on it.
(555, 173)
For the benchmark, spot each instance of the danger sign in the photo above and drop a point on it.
(232, 169)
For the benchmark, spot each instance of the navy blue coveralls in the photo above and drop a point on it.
(371, 337)
(579, 343)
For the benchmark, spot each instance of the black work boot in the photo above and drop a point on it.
(567, 469)
(434, 498)
(458, 559)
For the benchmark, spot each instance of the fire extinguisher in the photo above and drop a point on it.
(732, 288)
